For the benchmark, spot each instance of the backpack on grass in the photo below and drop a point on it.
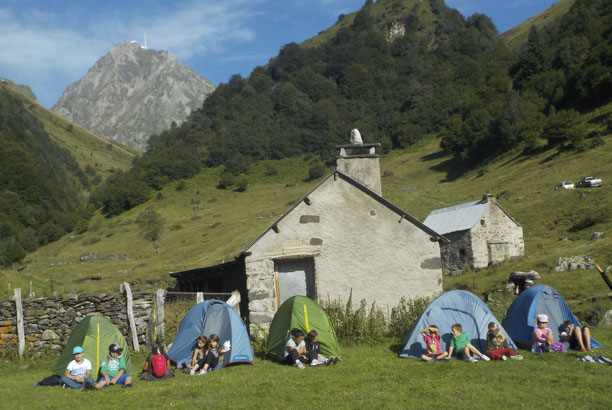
(50, 381)
(158, 363)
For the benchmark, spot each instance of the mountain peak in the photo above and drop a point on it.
(133, 92)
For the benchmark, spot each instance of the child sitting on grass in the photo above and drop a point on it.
(295, 349)
(157, 364)
(212, 358)
(577, 337)
(542, 339)
(431, 337)
(497, 345)
(461, 343)
(113, 369)
(313, 351)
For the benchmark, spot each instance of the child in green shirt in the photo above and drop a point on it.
(113, 369)
(461, 343)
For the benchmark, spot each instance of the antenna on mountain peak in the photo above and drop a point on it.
(145, 38)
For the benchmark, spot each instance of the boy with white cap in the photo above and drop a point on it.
(78, 372)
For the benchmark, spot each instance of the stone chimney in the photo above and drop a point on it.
(360, 162)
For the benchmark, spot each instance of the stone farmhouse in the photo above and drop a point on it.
(480, 233)
(341, 237)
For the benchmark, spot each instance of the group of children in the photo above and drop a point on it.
(303, 349)
(571, 336)
(575, 337)
(207, 355)
(497, 345)
(113, 370)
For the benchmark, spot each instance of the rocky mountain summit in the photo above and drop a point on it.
(133, 92)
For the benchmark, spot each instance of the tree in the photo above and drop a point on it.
(151, 225)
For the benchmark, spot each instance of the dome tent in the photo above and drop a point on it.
(520, 319)
(206, 318)
(94, 334)
(302, 313)
(456, 306)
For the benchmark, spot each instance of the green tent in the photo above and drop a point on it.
(94, 334)
(302, 313)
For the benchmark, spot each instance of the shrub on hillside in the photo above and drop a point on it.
(316, 171)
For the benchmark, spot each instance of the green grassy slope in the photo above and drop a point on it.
(517, 36)
(205, 225)
(101, 154)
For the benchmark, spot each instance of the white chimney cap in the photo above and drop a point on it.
(356, 137)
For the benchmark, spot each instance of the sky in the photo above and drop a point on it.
(49, 44)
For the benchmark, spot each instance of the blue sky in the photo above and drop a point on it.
(48, 44)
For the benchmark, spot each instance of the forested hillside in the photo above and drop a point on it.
(400, 71)
(45, 178)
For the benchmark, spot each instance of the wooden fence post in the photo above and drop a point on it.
(20, 330)
(159, 328)
(199, 297)
(130, 314)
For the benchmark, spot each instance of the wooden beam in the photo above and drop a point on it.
(20, 329)
(601, 272)
(130, 315)
(159, 315)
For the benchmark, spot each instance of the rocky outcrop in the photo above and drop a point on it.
(133, 92)
(575, 262)
(22, 89)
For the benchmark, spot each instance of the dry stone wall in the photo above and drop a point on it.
(48, 322)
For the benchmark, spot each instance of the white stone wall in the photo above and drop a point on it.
(357, 243)
(498, 227)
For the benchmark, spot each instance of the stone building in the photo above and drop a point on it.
(480, 233)
(342, 236)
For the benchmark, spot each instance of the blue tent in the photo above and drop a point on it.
(456, 306)
(520, 318)
(206, 318)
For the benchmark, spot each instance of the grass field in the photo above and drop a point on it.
(368, 377)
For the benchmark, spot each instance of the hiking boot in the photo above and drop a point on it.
(472, 360)
(299, 364)
(504, 357)
(336, 359)
(89, 385)
(517, 357)
(485, 357)
(127, 385)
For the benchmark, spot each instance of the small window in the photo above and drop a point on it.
(482, 222)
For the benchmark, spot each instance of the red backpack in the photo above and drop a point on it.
(158, 362)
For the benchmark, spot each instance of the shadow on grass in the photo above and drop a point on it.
(454, 168)
(396, 348)
(433, 156)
